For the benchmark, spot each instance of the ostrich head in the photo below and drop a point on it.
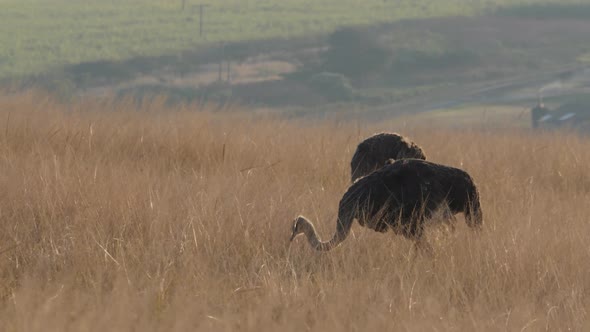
(300, 226)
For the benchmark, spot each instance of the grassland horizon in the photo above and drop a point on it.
(121, 216)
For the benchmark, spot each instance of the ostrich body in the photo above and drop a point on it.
(374, 151)
(400, 196)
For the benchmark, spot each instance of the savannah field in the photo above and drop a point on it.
(124, 217)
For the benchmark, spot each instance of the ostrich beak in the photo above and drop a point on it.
(293, 235)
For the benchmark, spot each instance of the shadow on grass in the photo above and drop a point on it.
(96, 73)
(265, 93)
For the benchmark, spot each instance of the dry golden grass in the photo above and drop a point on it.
(160, 220)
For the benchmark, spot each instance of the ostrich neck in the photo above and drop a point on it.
(319, 245)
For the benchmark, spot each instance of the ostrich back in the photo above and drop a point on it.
(402, 194)
(374, 151)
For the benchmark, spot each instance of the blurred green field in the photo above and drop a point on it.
(37, 35)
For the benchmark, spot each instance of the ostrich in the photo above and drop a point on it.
(400, 196)
(374, 151)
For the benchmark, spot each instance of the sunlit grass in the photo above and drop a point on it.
(491, 116)
(115, 217)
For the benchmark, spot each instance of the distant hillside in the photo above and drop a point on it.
(37, 35)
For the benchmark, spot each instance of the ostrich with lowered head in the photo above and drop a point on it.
(372, 153)
(400, 196)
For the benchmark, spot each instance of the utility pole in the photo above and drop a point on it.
(201, 12)
(220, 77)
